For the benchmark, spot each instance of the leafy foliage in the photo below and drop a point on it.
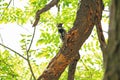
(9, 68)
(106, 2)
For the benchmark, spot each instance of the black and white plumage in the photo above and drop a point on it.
(61, 31)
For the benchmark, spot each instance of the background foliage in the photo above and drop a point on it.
(12, 66)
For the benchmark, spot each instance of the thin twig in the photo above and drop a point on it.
(86, 67)
(31, 40)
(31, 70)
(1, 39)
(27, 52)
(58, 9)
(9, 4)
(6, 7)
(13, 51)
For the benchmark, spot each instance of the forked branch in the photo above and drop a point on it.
(13, 51)
(46, 8)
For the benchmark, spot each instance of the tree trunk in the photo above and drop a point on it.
(89, 11)
(72, 68)
(112, 67)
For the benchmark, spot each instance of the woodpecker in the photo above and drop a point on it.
(61, 31)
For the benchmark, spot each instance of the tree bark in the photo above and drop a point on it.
(85, 20)
(112, 67)
(72, 67)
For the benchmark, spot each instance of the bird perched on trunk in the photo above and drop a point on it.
(62, 32)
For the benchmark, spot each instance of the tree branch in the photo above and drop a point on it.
(13, 51)
(98, 25)
(1, 38)
(81, 30)
(31, 40)
(72, 67)
(99, 28)
(30, 67)
(101, 36)
(47, 7)
(9, 4)
(27, 52)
